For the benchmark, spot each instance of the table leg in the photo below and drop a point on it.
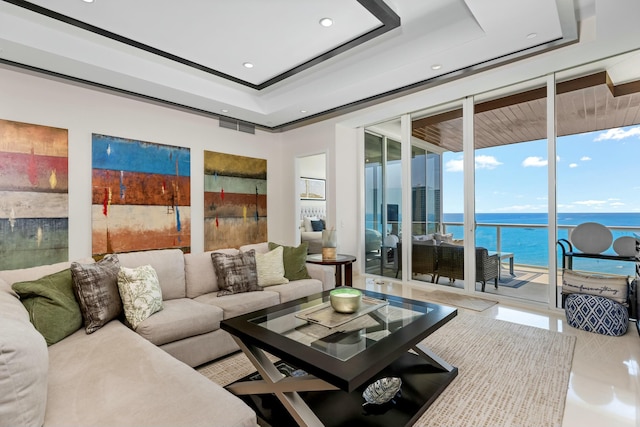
(285, 389)
(338, 275)
(511, 266)
(348, 274)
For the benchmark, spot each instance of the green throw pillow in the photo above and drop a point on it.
(295, 260)
(52, 305)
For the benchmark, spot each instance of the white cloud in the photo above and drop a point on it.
(454, 166)
(585, 158)
(482, 162)
(534, 161)
(487, 162)
(590, 202)
(573, 165)
(617, 134)
(616, 204)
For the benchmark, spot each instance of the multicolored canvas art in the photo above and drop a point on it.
(34, 202)
(141, 196)
(235, 200)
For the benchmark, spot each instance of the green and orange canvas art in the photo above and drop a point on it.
(235, 200)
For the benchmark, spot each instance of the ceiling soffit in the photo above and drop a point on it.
(374, 20)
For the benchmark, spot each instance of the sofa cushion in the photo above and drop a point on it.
(236, 273)
(52, 305)
(114, 377)
(34, 273)
(23, 365)
(297, 289)
(612, 287)
(597, 314)
(294, 259)
(200, 274)
(260, 248)
(180, 318)
(168, 264)
(140, 292)
(96, 288)
(237, 304)
(270, 268)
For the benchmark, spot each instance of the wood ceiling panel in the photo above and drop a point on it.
(583, 105)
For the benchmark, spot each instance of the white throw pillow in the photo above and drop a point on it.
(140, 292)
(270, 268)
(307, 222)
(612, 287)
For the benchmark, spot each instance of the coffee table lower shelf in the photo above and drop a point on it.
(422, 383)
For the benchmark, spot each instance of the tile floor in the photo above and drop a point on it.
(604, 387)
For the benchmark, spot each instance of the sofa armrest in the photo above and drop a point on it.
(325, 273)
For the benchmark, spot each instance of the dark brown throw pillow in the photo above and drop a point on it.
(236, 273)
(96, 288)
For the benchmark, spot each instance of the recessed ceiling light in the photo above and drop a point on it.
(247, 65)
(326, 22)
(88, 1)
(303, 111)
(532, 35)
(224, 110)
(436, 66)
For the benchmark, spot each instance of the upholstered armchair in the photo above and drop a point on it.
(451, 264)
(423, 259)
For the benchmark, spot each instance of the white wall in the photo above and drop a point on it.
(38, 100)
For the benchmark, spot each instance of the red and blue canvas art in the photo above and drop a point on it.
(141, 195)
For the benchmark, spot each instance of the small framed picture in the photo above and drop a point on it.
(312, 189)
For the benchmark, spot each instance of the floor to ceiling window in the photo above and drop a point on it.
(383, 202)
(511, 186)
(516, 181)
(598, 147)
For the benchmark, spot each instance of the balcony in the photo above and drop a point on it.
(528, 244)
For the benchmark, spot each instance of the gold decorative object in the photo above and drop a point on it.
(329, 244)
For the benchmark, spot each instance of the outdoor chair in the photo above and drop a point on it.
(423, 259)
(451, 264)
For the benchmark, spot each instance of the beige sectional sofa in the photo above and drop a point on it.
(116, 376)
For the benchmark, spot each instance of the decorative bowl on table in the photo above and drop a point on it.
(345, 300)
(381, 391)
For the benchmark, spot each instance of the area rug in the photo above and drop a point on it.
(521, 278)
(509, 374)
(456, 300)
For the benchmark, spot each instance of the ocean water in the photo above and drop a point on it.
(529, 244)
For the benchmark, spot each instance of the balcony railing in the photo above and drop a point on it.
(528, 243)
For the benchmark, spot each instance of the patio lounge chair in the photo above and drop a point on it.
(451, 264)
(423, 259)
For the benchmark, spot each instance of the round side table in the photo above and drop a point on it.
(340, 261)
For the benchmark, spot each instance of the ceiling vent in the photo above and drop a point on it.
(228, 123)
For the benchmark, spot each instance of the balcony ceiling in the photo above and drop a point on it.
(190, 54)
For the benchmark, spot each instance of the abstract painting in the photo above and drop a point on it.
(235, 200)
(34, 199)
(141, 196)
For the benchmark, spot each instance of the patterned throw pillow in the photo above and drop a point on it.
(236, 273)
(271, 268)
(51, 304)
(612, 287)
(96, 288)
(597, 314)
(295, 260)
(140, 292)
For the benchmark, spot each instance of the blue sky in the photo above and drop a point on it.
(595, 173)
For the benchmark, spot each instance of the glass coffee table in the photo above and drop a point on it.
(330, 358)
